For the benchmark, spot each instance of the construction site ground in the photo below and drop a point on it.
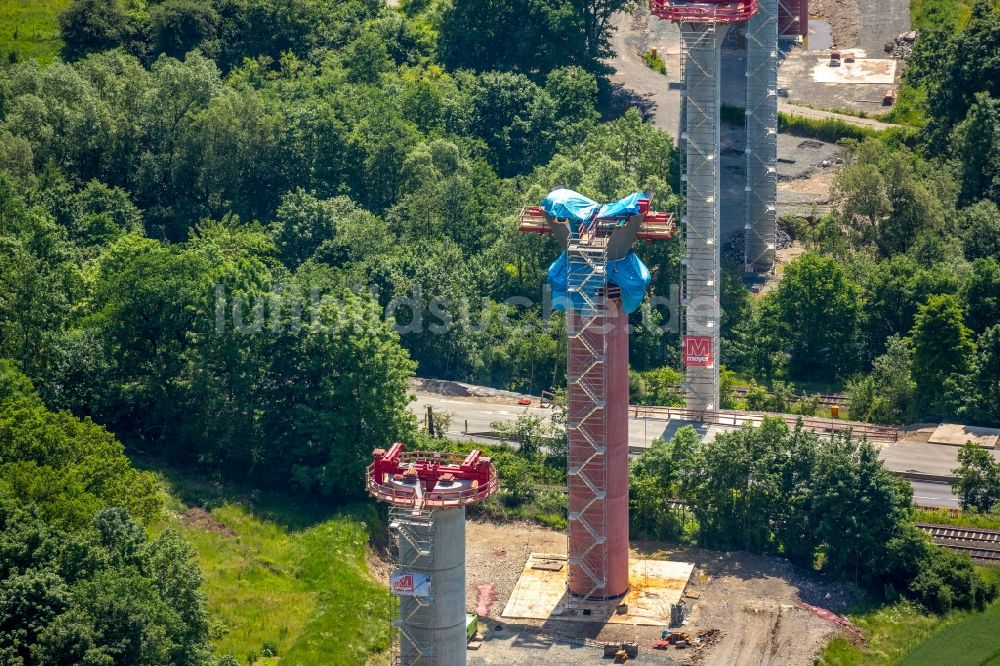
(806, 167)
(752, 600)
(860, 27)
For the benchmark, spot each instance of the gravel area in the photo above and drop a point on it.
(881, 21)
(496, 553)
(844, 17)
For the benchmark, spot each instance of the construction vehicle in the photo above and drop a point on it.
(849, 57)
(835, 58)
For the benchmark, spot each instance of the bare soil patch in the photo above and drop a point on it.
(198, 518)
(844, 17)
(752, 600)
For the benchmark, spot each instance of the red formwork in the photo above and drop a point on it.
(429, 479)
(704, 11)
(793, 18)
(655, 226)
(609, 427)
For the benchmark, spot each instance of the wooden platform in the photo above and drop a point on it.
(540, 593)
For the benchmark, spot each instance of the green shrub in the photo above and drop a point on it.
(656, 387)
(654, 62)
(824, 129)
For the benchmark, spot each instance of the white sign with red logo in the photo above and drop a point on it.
(698, 350)
(410, 584)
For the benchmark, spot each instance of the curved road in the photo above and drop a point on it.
(477, 414)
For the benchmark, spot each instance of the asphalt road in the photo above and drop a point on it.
(476, 416)
(926, 493)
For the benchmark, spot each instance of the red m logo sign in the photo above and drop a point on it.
(698, 350)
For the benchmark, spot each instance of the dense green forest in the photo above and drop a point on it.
(80, 583)
(208, 244)
(829, 506)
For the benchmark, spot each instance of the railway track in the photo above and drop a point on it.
(980, 544)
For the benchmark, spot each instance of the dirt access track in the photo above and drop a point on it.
(755, 602)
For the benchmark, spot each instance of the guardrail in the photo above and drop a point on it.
(736, 419)
(825, 399)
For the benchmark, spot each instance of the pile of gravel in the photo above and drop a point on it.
(463, 390)
(901, 47)
(735, 246)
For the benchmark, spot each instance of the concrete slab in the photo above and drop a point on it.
(654, 585)
(862, 70)
(953, 434)
(797, 83)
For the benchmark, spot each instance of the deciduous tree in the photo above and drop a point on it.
(977, 479)
(942, 347)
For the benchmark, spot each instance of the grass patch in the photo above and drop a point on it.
(30, 29)
(281, 575)
(972, 641)
(958, 518)
(930, 14)
(824, 129)
(902, 633)
(654, 62)
(891, 631)
(306, 593)
(910, 108)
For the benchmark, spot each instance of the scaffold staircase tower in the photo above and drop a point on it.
(703, 26)
(414, 527)
(587, 383)
(762, 139)
(700, 186)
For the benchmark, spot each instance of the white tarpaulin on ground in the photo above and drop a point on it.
(862, 70)
(410, 584)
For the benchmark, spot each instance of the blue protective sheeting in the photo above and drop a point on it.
(632, 276)
(623, 207)
(566, 204)
(629, 273)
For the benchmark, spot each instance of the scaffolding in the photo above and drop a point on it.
(427, 493)
(587, 423)
(701, 59)
(762, 139)
(414, 531)
(703, 26)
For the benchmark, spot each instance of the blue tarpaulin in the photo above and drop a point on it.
(629, 273)
(623, 207)
(566, 204)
